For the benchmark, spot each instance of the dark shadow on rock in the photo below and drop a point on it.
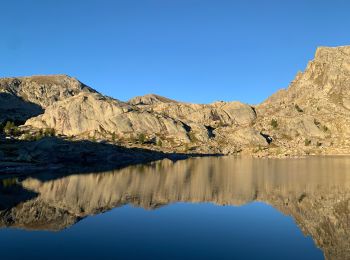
(53, 155)
(15, 109)
(267, 138)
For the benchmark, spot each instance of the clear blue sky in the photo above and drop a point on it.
(190, 50)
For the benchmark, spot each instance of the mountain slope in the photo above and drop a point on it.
(314, 110)
(311, 116)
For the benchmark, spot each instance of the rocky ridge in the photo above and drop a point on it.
(311, 116)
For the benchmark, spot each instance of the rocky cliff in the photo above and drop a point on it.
(311, 116)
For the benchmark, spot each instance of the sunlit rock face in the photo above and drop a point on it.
(314, 107)
(43, 90)
(311, 116)
(314, 191)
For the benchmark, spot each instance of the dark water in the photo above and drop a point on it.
(205, 208)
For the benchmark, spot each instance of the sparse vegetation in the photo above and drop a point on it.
(27, 137)
(159, 143)
(113, 136)
(49, 132)
(307, 142)
(274, 123)
(11, 129)
(141, 138)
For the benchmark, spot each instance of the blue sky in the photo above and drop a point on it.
(190, 50)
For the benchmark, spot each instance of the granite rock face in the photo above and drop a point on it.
(311, 116)
(43, 90)
(84, 113)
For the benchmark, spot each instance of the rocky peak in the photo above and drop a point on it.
(327, 76)
(43, 90)
(150, 99)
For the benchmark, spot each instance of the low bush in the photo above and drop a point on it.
(141, 138)
(11, 129)
(274, 123)
(307, 142)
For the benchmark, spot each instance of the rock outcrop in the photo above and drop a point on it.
(87, 114)
(43, 90)
(168, 125)
(312, 115)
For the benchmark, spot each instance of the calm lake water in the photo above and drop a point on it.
(201, 208)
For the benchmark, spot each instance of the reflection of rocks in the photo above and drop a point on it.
(310, 190)
(37, 215)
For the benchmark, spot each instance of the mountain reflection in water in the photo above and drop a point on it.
(315, 191)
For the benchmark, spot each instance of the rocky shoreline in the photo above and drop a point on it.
(55, 155)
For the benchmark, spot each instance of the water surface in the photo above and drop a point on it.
(201, 208)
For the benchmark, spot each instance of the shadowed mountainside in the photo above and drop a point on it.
(56, 155)
(14, 108)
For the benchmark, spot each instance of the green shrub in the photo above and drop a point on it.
(113, 137)
(11, 129)
(27, 137)
(141, 138)
(160, 143)
(274, 123)
(49, 132)
(38, 136)
(307, 142)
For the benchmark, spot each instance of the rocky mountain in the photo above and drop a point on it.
(25, 97)
(43, 90)
(168, 125)
(311, 116)
(310, 190)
